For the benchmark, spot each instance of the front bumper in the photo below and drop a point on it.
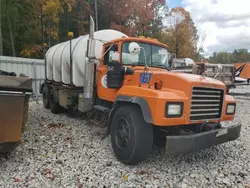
(199, 141)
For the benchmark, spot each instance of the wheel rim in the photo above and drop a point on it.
(123, 133)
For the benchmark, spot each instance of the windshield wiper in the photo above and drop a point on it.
(159, 66)
(138, 64)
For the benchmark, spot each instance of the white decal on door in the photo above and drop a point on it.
(104, 81)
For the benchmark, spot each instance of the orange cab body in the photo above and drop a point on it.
(176, 87)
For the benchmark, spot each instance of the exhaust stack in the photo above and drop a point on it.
(86, 102)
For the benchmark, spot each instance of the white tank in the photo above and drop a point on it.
(56, 65)
(189, 61)
(58, 57)
(49, 61)
(65, 62)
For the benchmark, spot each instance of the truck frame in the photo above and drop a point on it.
(133, 92)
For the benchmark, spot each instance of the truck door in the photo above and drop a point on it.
(110, 77)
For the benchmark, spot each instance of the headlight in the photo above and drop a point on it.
(231, 109)
(174, 109)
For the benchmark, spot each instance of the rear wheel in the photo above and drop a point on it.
(131, 136)
(54, 106)
(46, 97)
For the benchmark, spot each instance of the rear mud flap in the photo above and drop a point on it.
(199, 141)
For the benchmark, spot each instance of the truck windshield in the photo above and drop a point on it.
(156, 56)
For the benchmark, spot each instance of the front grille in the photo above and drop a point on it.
(206, 103)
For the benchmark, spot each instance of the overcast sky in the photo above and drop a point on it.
(225, 23)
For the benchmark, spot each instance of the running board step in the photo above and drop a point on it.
(101, 108)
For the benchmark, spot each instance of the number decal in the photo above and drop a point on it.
(145, 77)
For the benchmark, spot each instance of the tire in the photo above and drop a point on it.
(54, 106)
(46, 97)
(138, 142)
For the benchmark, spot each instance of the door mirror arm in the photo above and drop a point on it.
(127, 70)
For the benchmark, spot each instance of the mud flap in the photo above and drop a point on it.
(199, 141)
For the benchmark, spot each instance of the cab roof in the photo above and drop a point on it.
(139, 39)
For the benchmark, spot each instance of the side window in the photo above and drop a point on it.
(108, 55)
(125, 54)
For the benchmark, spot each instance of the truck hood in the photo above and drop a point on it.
(197, 79)
(180, 81)
(185, 82)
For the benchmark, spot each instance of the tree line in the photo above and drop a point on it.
(237, 56)
(29, 27)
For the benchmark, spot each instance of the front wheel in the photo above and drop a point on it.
(131, 136)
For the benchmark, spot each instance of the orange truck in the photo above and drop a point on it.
(126, 84)
(242, 72)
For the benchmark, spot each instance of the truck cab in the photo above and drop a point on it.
(118, 57)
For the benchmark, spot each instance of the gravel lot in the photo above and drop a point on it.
(241, 89)
(78, 154)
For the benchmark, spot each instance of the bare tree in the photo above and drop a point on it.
(202, 35)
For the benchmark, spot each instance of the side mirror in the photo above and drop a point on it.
(134, 48)
(115, 56)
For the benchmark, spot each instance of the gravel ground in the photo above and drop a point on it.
(241, 89)
(58, 151)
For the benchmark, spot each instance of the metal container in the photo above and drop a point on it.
(14, 104)
(222, 72)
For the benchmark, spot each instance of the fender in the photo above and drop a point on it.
(142, 102)
(134, 100)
